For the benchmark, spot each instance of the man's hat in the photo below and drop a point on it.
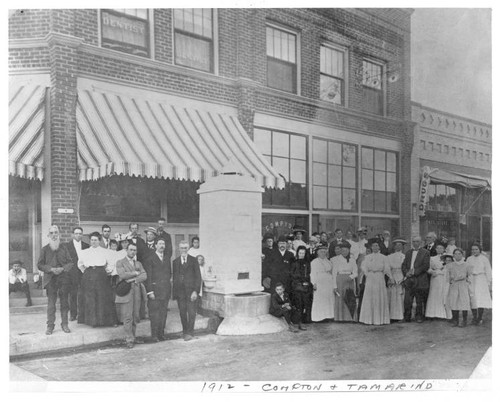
(19, 262)
(322, 245)
(268, 235)
(299, 229)
(443, 257)
(290, 236)
(282, 238)
(123, 288)
(402, 241)
(121, 237)
(151, 229)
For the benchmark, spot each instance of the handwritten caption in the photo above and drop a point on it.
(346, 386)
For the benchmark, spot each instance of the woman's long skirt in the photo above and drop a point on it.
(395, 294)
(98, 299)
(342, 312)
(480, 292)
(436, 302)
(375, 307)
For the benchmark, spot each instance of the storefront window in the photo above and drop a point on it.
(442, 198)
(279, 224)
(121, 198)
(376, 226)
(287, 153)
(334, 175)
(379, 181)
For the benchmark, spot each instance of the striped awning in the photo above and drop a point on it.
(118, 134)
(26, 129)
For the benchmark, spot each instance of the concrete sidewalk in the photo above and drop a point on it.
(27, 332)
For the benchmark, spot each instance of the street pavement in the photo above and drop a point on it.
(326, 351)
(27, 331)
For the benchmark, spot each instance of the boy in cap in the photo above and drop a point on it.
(281, 306)
(18, 281)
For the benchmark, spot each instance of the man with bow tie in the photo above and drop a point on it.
(186, 285)
(158, 270)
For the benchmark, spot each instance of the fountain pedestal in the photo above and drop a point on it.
(230, 233)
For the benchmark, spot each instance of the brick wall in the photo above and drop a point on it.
(28, 23)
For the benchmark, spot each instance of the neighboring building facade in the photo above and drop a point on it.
(453, 156)
(119, 115)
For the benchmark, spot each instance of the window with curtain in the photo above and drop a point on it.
(281, 59)
(379, 181)
(287, 153)
(334, 175)
(126, 30)
(194, 38)
(373, 87)
(332, 78)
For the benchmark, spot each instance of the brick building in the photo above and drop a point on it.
(118, 115)
(453, 156)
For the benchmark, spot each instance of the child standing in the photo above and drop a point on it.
(459, 276)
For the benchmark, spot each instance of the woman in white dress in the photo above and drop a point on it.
(345, 272)
(395, 291)
(481, 283)
(436, 306)
(375, 306)
(459, 275)
(323, 285)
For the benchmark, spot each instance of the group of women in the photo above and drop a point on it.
(371, 289)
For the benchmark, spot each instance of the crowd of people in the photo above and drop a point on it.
(374, 281)
(121, 280)
(342, 277)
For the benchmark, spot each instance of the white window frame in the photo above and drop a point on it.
(215, 40)
(289, 30)
(151, 34)
(383, 66)
(345, 51)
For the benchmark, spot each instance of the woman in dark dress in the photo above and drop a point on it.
(301, 285)
(97, 296)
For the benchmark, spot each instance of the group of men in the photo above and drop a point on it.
(277, 258)
(147, 262)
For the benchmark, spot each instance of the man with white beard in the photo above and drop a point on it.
(55, 261)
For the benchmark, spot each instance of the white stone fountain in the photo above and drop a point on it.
(230, 233)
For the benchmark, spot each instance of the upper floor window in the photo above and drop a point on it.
(126, 30)
(379, 181)
(281, 59)
(287, 153)
(332, 78)
(194, 38)
(373, 87)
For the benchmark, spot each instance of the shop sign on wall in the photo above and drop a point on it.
(423, 193)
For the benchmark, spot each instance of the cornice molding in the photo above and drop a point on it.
(159, 65)
(59, 38)
(27, 43)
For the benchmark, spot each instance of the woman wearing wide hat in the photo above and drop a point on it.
(438, 288)
(345, 272)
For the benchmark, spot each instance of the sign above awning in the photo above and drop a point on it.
(148, 137)
(26, 127)
(440, 176)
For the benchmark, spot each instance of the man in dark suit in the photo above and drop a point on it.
(105, 236)
(278, 267)
(386, 246)
(148, 246)
(134, 236)
(430, 243)
(55, 262)
(415, 266)
(75, 247)
(161, 234)
(187, 284)
(158, 270)
(337, 240)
